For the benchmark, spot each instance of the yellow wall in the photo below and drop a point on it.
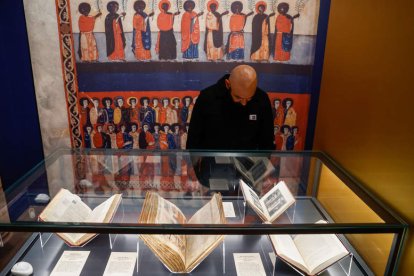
(366, 109)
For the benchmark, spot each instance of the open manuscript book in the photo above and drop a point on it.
(67, 207)
(272, 204)
(253, 169)
(181, 253)
(309, 253)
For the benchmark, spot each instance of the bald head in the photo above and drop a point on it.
(242, 83)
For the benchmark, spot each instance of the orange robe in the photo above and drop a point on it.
(163, 115)
(189, 35)
(278, 141)
(237, 22)
(298, 143)
(140, 26)
(134, 136)
(278, 120)
(290, 117)
(283, 25)
(165, 22)
(150, 140)
(97, 140)
(118, 52)
(212, 24)
(87, 44)
(163, 140)
(263, 52)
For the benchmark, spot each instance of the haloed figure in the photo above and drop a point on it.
(190, 31)
(213, 42)
(284, 33)
(87, 44)
(235, 41)
(166, 44)
(141, 38)
(115, 38)
(260, 34)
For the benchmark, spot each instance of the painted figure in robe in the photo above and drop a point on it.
(141, 34)
(115, 37)
(260, 50)
(213, 42)
(283, 33)
(190, 31)
(166, 46)
(235, 41)
(87, 50)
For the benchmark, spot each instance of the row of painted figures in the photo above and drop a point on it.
(150, 126)
(263, 43)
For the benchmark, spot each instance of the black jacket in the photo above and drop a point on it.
(219, 123)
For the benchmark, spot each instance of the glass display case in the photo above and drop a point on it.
(190, 180)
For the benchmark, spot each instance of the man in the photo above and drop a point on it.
(232, 114)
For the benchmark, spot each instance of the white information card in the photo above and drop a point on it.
(248, 264)
(229, 209)
(70, 263)
(121, 264)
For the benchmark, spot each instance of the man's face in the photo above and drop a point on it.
(187, 101)
(145, 128)
(156, 128)
(277, 103)
(99, 128)
(134, 128)
(155, 102)
(165, 101)
(239, 93)
(276, 129)
(122, 128)
(166, 128)
(85, 103)
(107, 103)
(288, 104)
(88, 129)
(133, 103)
(120, 102)
(145, 101)
(96, 103)
(111, 128)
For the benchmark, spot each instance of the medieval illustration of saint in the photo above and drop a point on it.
(95, 111)
(190, 31)
(146, 140)
(213, 42)
(146, 113)
(135, 135)
(185, 110)
(112, 135)
(87, 50)
(87, 137)
(156, 108)
(176, 110)
(284, 33)
(133, 112)
(260, 50)
(108, 110)
(115, 38)
(141, 37)
(120, 112)
(84, 112)
(289, 112)
(101, 140)
(278, 113)
(285, 133)
(123, 139)
(235, 41)
(166, 47)
(298, 142)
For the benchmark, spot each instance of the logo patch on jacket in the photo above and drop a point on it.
(252, 117)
